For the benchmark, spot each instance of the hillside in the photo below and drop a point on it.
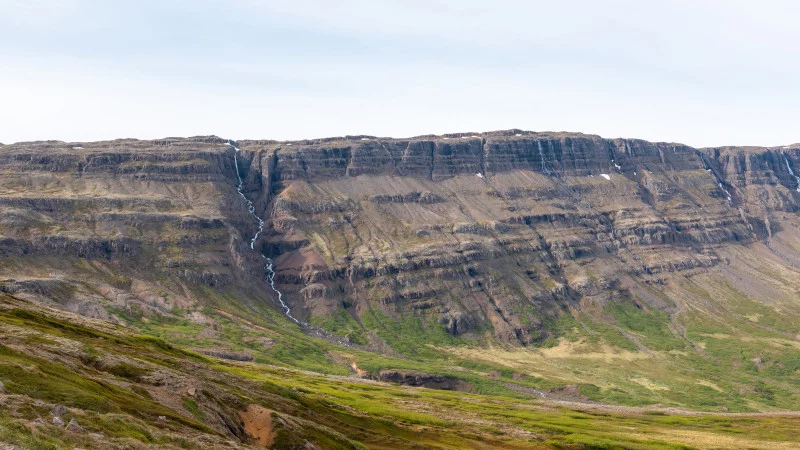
(538, 284)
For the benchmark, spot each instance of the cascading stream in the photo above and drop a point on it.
(250, 206)
(270, 272)
(541, 156)
(786, 160)
(271, 281)
(719, 181)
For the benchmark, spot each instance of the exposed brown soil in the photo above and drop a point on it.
(258, 425)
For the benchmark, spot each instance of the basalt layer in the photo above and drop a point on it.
(503, 231)
(480, 233)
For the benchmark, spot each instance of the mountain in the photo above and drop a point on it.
(613, 276)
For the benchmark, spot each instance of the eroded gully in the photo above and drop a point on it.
(268, 268)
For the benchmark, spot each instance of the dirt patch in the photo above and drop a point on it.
(358, 371)
(258, 425)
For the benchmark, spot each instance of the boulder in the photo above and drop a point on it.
(74, 427)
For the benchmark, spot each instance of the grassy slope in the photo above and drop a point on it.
(706, 352)
(104, 376)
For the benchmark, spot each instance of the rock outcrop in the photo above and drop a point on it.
(426, 380)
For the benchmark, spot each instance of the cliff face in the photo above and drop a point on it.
(128, 225)
(502, 231)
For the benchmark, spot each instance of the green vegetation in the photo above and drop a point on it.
(334, 411)
(410, 336)
(343, 324)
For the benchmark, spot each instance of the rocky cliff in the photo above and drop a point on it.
(499, 232)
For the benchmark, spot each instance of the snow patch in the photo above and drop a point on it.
(606, 176)
(479, 175)
(518, 134)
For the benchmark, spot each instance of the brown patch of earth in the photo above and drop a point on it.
(258, 425)
(360, 372)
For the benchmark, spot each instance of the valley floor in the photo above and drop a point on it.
(123, 390)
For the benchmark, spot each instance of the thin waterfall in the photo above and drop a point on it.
(727, 194)
(271, 281)
(250, 206)
(270, 272)
(541, 155)
(719, 181)
(786, 160)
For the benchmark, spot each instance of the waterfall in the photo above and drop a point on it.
(270, 272)
(541, 155)
(786, 160)
(271, 281)
(727, 194)
(250, 206)
(719, 181)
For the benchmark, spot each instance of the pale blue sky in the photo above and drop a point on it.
(702, 72)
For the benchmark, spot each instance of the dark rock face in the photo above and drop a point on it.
(155, 160)
(498, 231)
(411, 197)
(426, 380)
(123, 223)
(491, 153)
(62, 246)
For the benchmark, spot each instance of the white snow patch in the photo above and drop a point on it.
(606, 176)
(288, 145)
(617, 166)
(479, 175)
(447, 138)
(518, 134)
(364, 139)
(77, 148)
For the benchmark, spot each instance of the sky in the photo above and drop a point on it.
(699, 72)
